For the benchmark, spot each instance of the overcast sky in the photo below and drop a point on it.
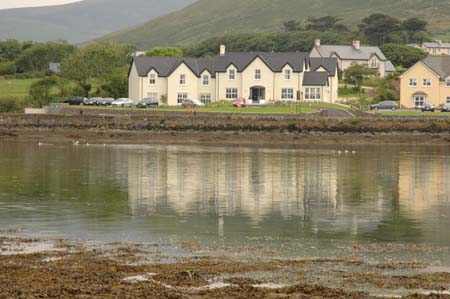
(5, 4)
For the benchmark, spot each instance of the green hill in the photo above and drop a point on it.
(207, 18)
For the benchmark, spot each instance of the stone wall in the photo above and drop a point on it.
(226, 122)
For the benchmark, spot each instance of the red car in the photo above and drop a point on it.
(239, 103)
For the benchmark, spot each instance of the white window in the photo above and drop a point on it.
(152, 79)
(181, 97)
(205, 98)
(287, 93)
(232, 74)
(205, 79)
(182, 79)
(426, 82)
(375, 64)
(447, 100)
(152, 95)
(257, 74)
(412, 82)
(419, 100)
(231, 93)
(287, 74)
(312, 93)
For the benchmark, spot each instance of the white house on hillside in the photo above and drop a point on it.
(261, 77)
(355, 54)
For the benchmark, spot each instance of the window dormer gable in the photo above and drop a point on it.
(183, 66)
(152, 71)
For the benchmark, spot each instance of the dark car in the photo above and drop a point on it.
(445, 107)
(192, 104)
(147, 103)
(427, 107)
(386, 105)
(77, 101)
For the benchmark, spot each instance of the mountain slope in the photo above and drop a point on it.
(81, 21)
(207, 18)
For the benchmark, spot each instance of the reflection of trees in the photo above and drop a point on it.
(61, 178)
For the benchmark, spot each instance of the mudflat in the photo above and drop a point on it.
(35, 268)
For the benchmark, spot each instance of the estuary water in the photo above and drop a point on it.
(309, 200)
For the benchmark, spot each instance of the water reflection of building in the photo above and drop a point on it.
(251, 183)
(423, 183)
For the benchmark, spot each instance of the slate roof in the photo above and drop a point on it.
(330, 64)
(275, 61)
(389, 67)
(164, 66)
(436, 45)
(439, 64)
(315, 79)
(350, 52)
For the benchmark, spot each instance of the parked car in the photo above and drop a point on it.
(192, 104)
(385, 105)
(445, 107)
(427, 107)
(239, 103)
(122, 102)
(76, 101)
(105, 102)
(147, 103)
(93, 101)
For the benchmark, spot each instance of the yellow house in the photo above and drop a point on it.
(428, 81)
(259, 77)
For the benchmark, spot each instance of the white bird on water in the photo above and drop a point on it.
(75, 142)
(339, 152)
(40, 144)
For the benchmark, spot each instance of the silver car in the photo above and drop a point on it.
(122, 102)
(445, 107)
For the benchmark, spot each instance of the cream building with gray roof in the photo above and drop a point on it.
(346, 56)
(260, 77)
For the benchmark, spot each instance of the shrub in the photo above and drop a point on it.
(7, 69)
(10, 105)
(355, 121)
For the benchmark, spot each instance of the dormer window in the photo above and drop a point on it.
(287, 74)
(205, 79)
(257, 74)
(182, 79)
(232, 74)
(152, 79)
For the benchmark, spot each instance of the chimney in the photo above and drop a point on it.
(222, 50)
(357, 44)
(317, 42)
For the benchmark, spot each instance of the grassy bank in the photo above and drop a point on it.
(14, 88)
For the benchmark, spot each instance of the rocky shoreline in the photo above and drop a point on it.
(34, 268)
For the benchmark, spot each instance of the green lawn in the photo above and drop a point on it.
(264, 110)
(348, 93)
(14, 88)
